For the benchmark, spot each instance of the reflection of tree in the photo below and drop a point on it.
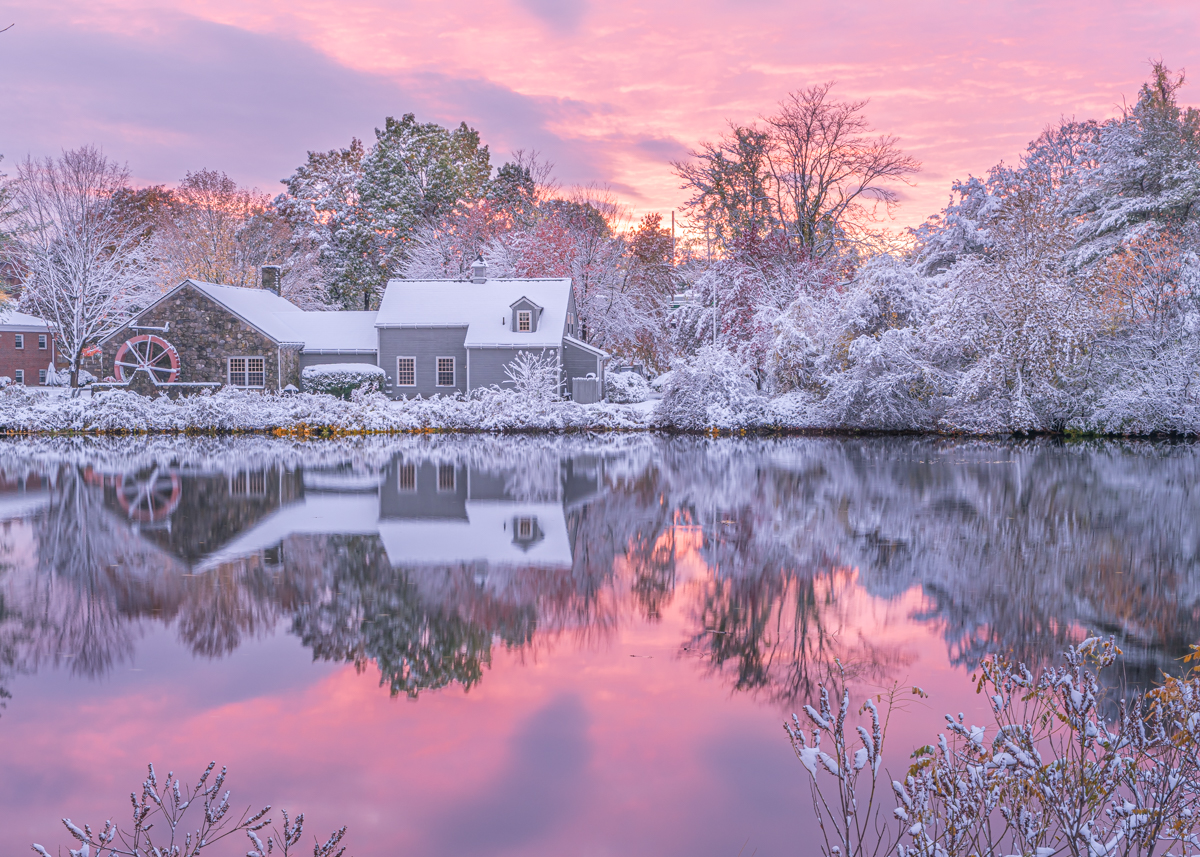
(225, 605)
(362, 610)
(780, 634)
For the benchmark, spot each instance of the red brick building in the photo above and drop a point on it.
(26, 348)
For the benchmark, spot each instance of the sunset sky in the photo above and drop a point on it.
(610, 92)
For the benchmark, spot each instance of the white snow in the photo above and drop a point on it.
(334, 332)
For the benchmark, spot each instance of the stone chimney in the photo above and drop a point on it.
(272, 275)
(479, 270)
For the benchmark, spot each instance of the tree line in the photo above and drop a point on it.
(1055, 293)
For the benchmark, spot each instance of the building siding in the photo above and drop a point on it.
(317, 358)
(205, 334)
(426, 344)
(488, 364)
(29, 359)
(578, 363)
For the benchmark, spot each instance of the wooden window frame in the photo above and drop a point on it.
(403, 485)
(453, 373)
(246, 372)
(524, 321)
(443, 485)
(413, 382)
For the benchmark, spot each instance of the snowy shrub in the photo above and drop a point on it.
(1054, 772)
(62, 377)
(534, 376)
(5, 381)
(159, 825)
(626, 388)
(710, 390)
(342, 379)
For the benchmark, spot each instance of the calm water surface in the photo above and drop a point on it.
(543, 646)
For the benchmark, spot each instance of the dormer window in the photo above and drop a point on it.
(525, 314)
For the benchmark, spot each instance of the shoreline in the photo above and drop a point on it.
(27, 412)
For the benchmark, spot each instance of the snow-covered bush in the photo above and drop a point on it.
(62, 377)
(159, 824)
(534, 376)
(342, 379)
(1079, 780)
(710, 390)
(626, 388)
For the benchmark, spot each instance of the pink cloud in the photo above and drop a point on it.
(609, 91)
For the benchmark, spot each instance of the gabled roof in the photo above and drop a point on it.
(258, 307)
(284, 322)
(482, 308)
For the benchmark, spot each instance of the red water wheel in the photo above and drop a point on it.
(149, 352)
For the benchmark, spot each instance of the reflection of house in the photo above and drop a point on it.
(431, 513)
(192, 513)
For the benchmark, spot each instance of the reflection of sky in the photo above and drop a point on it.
(614, 747)
(611, 92)
(599, 726)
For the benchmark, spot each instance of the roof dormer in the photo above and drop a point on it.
(525, 316)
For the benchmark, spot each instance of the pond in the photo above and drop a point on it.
(544, 646)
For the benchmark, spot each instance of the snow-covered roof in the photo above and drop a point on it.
(483, 308)
(18, 321)
(337, 331)
(261, 308)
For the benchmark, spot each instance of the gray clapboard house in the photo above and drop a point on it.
(443, 337)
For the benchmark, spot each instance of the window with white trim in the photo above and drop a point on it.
(247, 371)
(41, 376)
(524, 321)
(445, 371)
(20, 376)
(406, 371)
(19, 340)
(445, 477)
(526, 527)
(42, 341)
(406, 478)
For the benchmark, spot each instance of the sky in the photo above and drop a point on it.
(609, 92)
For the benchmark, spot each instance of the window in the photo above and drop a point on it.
(524, 321)
(20, 375)
(41, 376)
(406, 371)
(247, 371)
(42, 341)
(406, 479)
(248, 484)
(445, 477)
(19, 340)
(526, 528)
(445, 371)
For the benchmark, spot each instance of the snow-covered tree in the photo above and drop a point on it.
(81, 268)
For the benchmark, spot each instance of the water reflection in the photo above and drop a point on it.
(416, 558)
